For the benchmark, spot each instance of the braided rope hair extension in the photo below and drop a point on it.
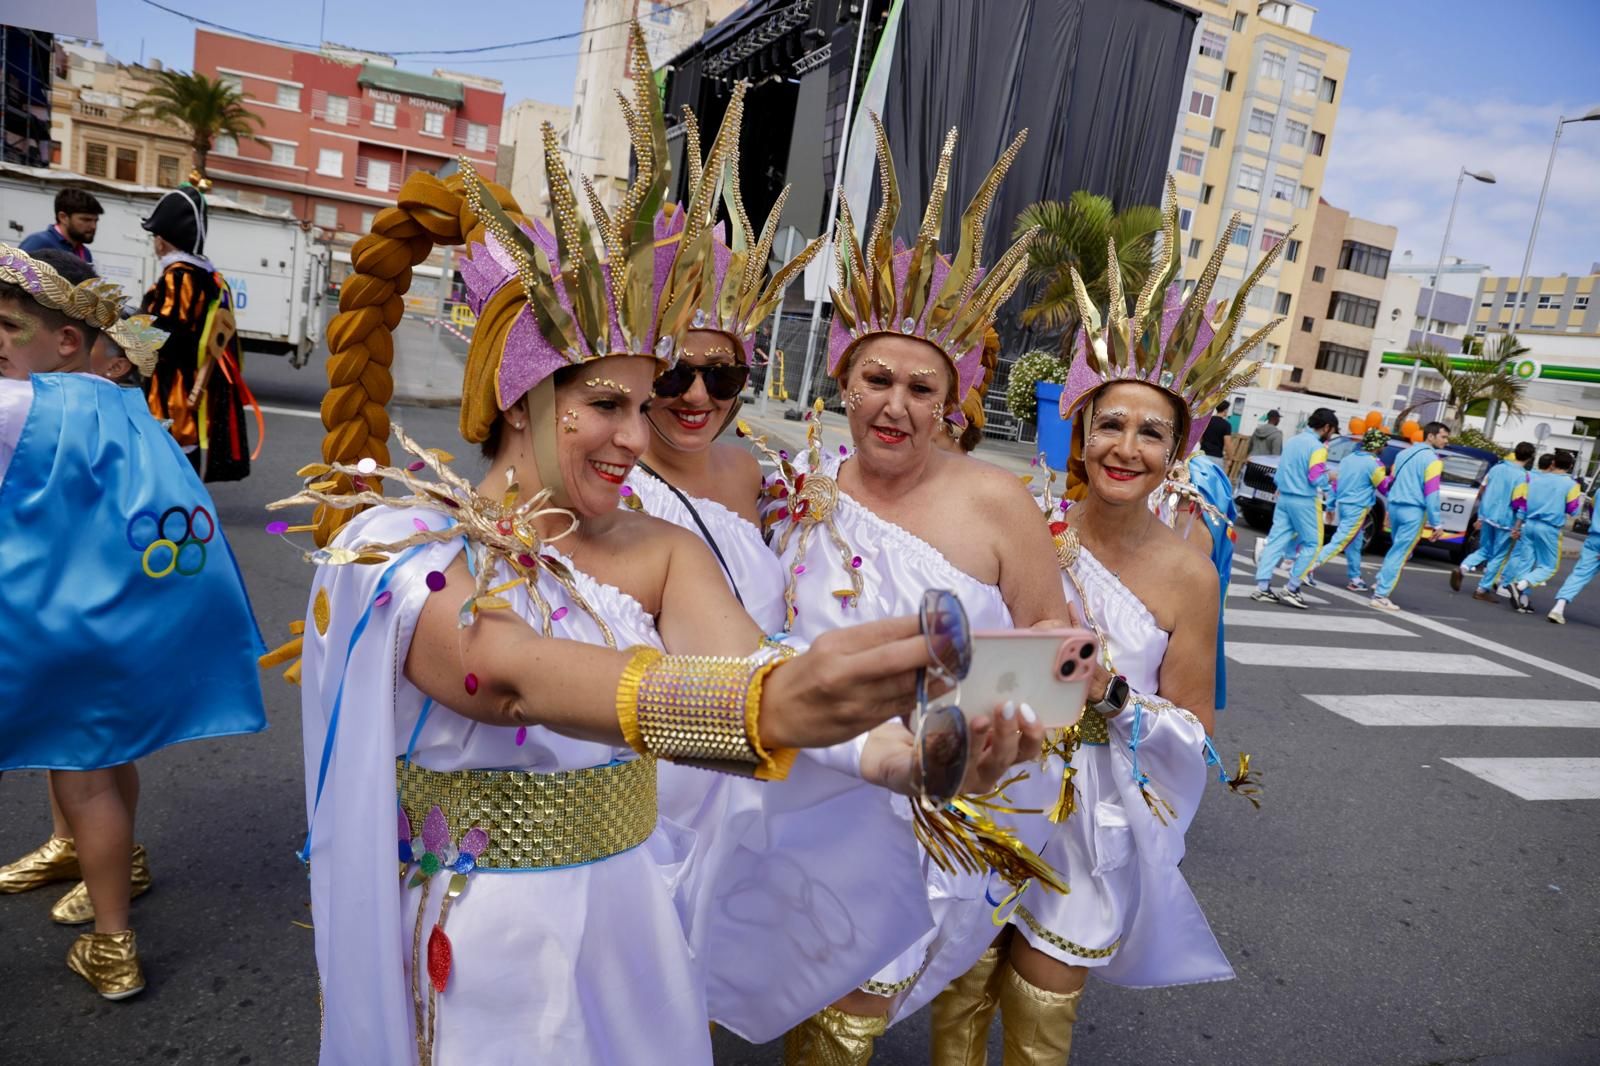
(972, 404)
(427, 212)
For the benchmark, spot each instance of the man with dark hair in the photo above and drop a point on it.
(77, 217)
(1215, 435)
(1545, 462)
(1297, 516)
(1268, 438)
(1414, 508)
(1552, 498)
(1496, 518)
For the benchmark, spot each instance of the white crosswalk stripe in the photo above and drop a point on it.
(1538, 779)
(1244, 591)
(1400, 710)
(1323, 657)
(1275, 618)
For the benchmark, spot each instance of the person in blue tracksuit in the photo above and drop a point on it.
(1582, 574)
(1495, 516)
(1413, 498)
(1552, 499)
(1208, 476)
(1356, 487)
(1297, 516)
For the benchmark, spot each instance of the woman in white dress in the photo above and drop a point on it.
(863, 533)
(1139, 756)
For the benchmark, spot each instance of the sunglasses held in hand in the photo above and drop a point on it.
(939, 727)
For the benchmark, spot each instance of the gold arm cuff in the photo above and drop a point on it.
(774, 765)
(640, 659)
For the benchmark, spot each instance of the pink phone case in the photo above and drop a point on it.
(1049, 669)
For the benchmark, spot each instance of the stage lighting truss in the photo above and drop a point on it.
(754, 40)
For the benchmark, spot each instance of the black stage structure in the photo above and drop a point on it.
(1098, 84)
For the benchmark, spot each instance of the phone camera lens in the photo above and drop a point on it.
(1086, 651)
(1066, 669)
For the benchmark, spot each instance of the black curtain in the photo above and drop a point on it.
(1097, 83)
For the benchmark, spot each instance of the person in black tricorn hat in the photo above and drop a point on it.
(198, 383)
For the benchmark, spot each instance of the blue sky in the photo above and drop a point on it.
(1433, 85)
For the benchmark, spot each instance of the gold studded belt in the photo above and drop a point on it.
(539, 821)
(1092, 728)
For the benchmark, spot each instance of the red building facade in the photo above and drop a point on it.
(341, 130)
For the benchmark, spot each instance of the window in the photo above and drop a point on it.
(1185, 216)
(1319, 141)
(1217, 133)
(232, 81)
(1212, 44)
(127, 164)
(1238, 21)
(1194, 247)
(1364, 259)
(1272, 65)
(1488, 301)
(377, 175)
(1338, 359)
(1319, 274)
(1545, 301)
(1201, 103)
(1481, 328)
(1296, 374)
(1242, 235)
(167, 170)
(326, 216)
(1307, 324)
(94, 159)
(382, 113)
(1283, 189)
(281, 204)
(1356, 310)
(1190, 161)
(1251, 178)
(1302, 198)
(366, 220)
(1272, 353)
(1291, 251)
(433, 123)
(477, 137)
(330, 161)
(1580, 303)
(289, 96)
(1259, 297)
(1295, 133)
(1329, 88)
(1227, 81)
(1305, 78)
(338, 110)
(1205, 193)
(222, 144)
(1270, 239)
(1261, 121)
(1282, 305)
(283, 154)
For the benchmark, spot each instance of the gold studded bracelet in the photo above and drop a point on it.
(701, 710)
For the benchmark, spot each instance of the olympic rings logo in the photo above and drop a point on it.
(162, 550)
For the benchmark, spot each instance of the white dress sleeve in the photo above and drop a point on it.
(16, 399)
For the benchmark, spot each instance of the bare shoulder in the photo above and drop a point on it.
(739, 465)
(991, 485)
(1186, 566)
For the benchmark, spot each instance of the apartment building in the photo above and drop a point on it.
(95, 130)
(28, 59)
(522, 152)
(1262, 96)
(341, 130)
(1331, 334)
(1561, 304)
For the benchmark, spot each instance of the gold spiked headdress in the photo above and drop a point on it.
(917, 292)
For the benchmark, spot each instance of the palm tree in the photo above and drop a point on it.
(210, 108)
(1075, 234)
(1485, 376)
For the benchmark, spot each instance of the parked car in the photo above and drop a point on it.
(1464, 471)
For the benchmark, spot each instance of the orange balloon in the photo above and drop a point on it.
(1357, 427)
(1407, 426)
(1374, 419)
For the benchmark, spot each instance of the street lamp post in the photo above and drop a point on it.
(1433, 292)
(1591, 115)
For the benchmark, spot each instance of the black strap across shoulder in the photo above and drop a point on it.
(699, 524)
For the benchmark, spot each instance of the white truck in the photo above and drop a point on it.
(276, 269)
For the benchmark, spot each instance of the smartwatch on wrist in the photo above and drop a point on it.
(1115, 699)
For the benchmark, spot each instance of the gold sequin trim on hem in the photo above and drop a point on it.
(1062, 943)
(539, 821)
(887, 988)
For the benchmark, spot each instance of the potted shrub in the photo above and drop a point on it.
(1033, 394)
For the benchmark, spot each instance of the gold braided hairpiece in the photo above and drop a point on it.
(94, 301)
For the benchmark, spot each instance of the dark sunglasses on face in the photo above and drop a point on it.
(723, 381)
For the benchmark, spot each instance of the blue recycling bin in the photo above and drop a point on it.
(1055, 432)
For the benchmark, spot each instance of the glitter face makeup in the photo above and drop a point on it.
(569, 421)
(22, 326)
(852, 400)
(607, 383)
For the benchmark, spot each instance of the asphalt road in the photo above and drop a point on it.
(1385, 906)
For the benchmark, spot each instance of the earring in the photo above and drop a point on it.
(569, 421)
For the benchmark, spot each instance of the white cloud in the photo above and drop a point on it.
(1397, 165)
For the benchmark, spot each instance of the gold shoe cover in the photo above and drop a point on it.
(1037, 1024)
(109, 962)
(75, 908)
(54, 860)
(833, 1038)
(962, 1013)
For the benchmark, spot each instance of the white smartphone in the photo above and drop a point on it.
(1048, 669)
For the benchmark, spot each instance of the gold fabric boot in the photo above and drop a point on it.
(54, 860)
(75, 908)
(109, 962)
(833, 1038)
(962, 1013)
(1037, 1024)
